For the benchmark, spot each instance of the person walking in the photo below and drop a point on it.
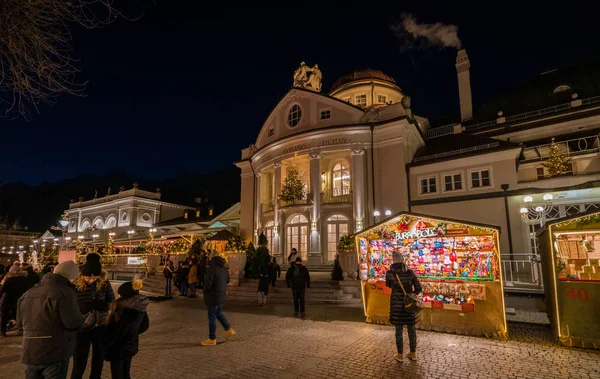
(293, 255)
(263, 285)
(215, 288)
(13, 286)
(274, 271)
(193, 278)
(202, 269)
(127, 319)
(94, 295)
(399, 278)
(298, 279)
(49, 316)
(182, 276)
(168, 273)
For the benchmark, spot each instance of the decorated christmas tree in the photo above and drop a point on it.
(292, 189)
(557, 163)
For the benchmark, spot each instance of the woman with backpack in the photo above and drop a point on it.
(403, 281)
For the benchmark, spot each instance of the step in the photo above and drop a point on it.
(323, 291)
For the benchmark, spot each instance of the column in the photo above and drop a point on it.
(358, 189)
(257, 207)
(277, 230)
(314, 252)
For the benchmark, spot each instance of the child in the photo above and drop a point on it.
(126, 321)
(263, 286)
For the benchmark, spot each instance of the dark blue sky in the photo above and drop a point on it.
(186, 87)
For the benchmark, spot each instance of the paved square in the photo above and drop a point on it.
(331, 343)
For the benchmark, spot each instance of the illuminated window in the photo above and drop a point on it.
(361, 100)
(295, 115)
(540, 173)
(297, 235)
(341, 179)
(325, 115)
(428, 185)
(337, 226)
(382, 99)
(268, 230)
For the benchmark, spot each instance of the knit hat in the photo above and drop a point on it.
(92, 266)
(15, 268)
(398, 257)
(298, 260)
(67, 269)
(130, 289)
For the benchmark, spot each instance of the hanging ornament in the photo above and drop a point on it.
(442, 229)
(403, 227)
(421, 225)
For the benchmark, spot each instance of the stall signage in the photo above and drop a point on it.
(437, 304)
(134, 261)
(468, 307)
(453, 232)
(580, 294)
(429, 232)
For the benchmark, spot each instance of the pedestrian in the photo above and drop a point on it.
(13, 286)
(293, 255)
(49, 316)
(298, 279)
(2, 271)
(94, 295)
(32, 277)
(399, 277)
(176, 276)
(274, 271)
(127, 319)
(263, 285)
(168, 273)
(202, 269)
(193, 278)
(215, 287)
(182, 276)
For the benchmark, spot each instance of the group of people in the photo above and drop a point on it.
(15, 280)
(187, 278)
(72, 309)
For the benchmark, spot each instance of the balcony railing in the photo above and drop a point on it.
(577, 146)
(522, 273)
(305, 201)
(336, 197)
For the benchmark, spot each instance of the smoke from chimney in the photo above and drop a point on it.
(424, 36)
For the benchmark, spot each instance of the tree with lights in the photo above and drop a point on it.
(292, 189)
(558, 163)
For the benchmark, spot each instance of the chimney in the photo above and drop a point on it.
(464, 85)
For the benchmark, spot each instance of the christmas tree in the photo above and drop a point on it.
(557, 163)
(292, 189)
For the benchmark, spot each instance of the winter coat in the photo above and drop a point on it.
(92, 299)
(215, 282)
(274, 270)
(264, 281)
(298, 278)
(193, 274)
(168, 272)
(32, 277)
(292, 257)
(15, 285)
(49, 316)
(121, 337)
(182, 274)
(202, 268)
(399, 315)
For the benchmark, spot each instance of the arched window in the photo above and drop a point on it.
(294, 115)
(268, 230)
(340, 176)
(111, 222)
(297, 235)
(337, 226)
(98, 223)
(85, 225)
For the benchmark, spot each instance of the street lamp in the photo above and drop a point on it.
(534, 214)
(376, 214)
(130, 233)
(388, 213)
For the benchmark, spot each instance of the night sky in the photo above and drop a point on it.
(184, 89)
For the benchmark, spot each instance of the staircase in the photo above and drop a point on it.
(320, 268)
(155, 283)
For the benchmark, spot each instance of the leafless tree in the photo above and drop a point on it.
(36, 64)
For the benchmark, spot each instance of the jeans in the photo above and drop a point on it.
(56, 370)
(5, 316)
(193, 289)
(262, 298)
(215, 313)
(184, 288)
(298, 301)
(273, 282)
(120, 369)
(168, 282)
(82, 350)
(412, 338)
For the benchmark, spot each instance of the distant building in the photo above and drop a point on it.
(14, 243)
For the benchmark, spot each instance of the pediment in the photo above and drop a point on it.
(311, 104)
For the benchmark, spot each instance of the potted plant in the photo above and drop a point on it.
(347, 257)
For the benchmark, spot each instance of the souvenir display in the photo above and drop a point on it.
(456, 263)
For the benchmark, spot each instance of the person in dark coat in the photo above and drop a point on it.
(49, 316)
(126, 321)
(168, 274)
(32, 277)
(202, 270)
(298, 279)
(94, 295)
(215, 289)
(263, 285)
(182, 277)
(13, 286)
(274, 271)
(399, 316)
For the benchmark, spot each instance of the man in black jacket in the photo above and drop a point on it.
(49, 316)
(298, 279)
(215, 289)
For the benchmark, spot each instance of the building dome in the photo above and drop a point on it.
(366, 88)
(367, 74)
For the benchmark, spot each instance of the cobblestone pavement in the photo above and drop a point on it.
(330, 343)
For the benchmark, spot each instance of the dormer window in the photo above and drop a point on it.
(381, 99)
(361, 100)
(562, 88)
(294, 115)
(324, 115)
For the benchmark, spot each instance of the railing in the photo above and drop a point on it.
(457, 152)
(583, 145)
(440, 131)
(336, 198)
(305, 201)
(267, 206)
(523, 272)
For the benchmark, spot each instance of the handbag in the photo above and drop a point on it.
(92, 318)
(412, 303)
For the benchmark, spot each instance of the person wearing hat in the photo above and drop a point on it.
(94, 295)
(293, 255)
(298, 279)
(13, 286)
(127, 319)
(49, 316)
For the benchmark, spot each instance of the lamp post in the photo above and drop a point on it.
(534, 214)
(388, 213)
(63, 222)
(376, 214)
(130, 233)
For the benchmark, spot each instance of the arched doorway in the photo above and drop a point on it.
(297, 235)
(268, 230)
(337, 226)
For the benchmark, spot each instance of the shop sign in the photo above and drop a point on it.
(437, 304)
(134, 261)
(454, 232)
(429, 232)
(468, 307)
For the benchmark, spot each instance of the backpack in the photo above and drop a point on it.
(412, 303)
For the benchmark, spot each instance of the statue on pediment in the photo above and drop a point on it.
(308, 77)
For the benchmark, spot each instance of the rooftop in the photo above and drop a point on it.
(361, 75)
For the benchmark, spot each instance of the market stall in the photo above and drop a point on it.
(570, 250)
(457, 264)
